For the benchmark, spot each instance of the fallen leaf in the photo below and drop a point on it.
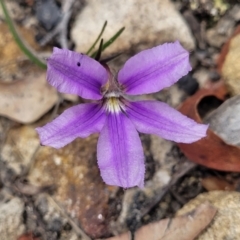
(27, 100)
(185, 227)
(211, 151)
(215, 183)
(218, 149)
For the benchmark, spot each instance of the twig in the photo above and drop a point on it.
(184, 168)
(178, 197)
(76, 228)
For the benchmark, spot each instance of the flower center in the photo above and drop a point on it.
(113, 104)
(112, 95)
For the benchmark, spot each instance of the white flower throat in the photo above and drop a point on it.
(113, 97)
(114, 104)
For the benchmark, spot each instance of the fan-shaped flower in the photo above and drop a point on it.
(118, 119)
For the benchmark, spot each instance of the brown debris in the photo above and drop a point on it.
(185, 227)
(210, 151)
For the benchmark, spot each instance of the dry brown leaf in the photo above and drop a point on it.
(218, 150)
(27, 100)
(211, 151)
(185, 227)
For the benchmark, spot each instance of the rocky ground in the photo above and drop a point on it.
(53, 194)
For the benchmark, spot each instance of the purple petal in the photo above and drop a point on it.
(120, 153)
(78, 121)
(154, 69)
(75, 73)
(158, 118)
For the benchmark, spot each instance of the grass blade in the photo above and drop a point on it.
(110, 41)
(96, 41)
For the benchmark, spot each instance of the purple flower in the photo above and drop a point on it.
(112, 114)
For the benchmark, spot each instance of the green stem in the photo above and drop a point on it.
(20, 42)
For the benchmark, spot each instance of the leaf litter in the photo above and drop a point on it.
(186, 227)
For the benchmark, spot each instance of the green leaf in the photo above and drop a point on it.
(109, 42)
(20, 42)
(99, 52)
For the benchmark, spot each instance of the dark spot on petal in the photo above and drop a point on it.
(79, 64)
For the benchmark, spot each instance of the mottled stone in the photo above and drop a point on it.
(19, 147)
(214, 38)
(225, 224)
(147, 24)
(79, 186)
(27, 100)
(12, 65)
(230, 69)
(11, 222)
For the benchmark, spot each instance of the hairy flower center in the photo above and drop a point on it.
(114, 104)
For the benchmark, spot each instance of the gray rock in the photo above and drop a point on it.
(147, 24)
(235, 12)
(224, 121)
(218, 35)
(214, 38)
(18, 149)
